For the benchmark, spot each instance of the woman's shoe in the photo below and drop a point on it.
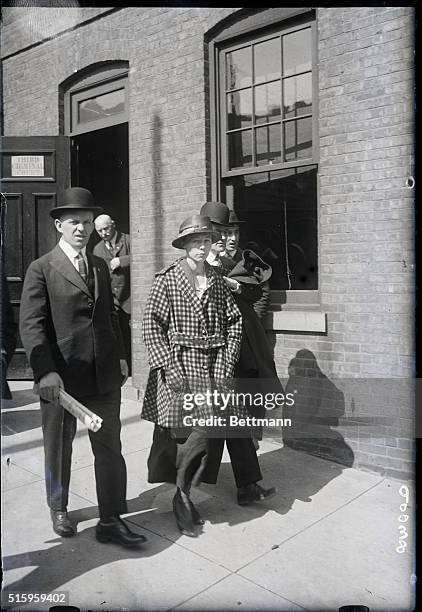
(183, 515)
(197, 518)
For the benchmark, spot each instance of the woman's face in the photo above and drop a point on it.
(197, 247)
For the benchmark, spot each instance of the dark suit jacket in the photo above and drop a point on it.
(262, 301)
(66, 329)
(120, 278)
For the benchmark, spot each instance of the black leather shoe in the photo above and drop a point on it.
(116, 530)
(62, 524)
(197, 518)
(184, 516)
(252, 493)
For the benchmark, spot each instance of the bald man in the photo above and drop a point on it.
(114, 248)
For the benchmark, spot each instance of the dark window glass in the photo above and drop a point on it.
(280, 209)
(268, 145)
(105, 105)
(239, 68)
(239, 109)
(297, 55)
(297, 98)
(298, 139)
(240, 149)
(267, 60)
(267, 102)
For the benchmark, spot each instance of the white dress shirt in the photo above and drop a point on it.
(72, 253)
(213, 259)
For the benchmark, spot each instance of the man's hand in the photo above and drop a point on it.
(124, 370)
(49, 387)
(232, 284)
(115, 263)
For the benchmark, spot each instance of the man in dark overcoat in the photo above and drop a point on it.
(70, 331)
(114, 248)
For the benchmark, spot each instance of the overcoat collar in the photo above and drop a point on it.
(62, 264)
(185, 284)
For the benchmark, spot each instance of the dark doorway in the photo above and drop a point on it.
(34, 174)
(100, 162)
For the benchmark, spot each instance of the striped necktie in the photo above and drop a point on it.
(82, 269)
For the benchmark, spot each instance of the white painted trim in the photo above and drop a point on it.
(296, 320)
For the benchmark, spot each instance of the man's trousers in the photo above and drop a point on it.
(59, 428)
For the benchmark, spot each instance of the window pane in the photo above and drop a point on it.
(281, 211)
(268, 145)
(102, 106)
(297, 52)
(297, 95)
(239, 68)
(239, 109)
(240, 149)
(267, 102)
(298, 139)
(267, 60)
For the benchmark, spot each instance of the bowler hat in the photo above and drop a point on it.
(234, 220)
(192, 226)
(75, 198)
(218, 212)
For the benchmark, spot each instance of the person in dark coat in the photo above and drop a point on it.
(233, 253)
(192, 330)
(8, 336)
(70, 331)
(114, 248)
(241, 447)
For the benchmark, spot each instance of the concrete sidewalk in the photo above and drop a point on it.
(327, 539)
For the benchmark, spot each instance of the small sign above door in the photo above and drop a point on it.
(27, 165)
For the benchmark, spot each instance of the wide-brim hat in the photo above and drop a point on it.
(218, 212)
(234, 220)
(76, 198)
(195, 225)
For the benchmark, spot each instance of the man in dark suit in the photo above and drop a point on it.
(70, 332)
(114, 248)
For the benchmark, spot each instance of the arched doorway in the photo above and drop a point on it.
(96, 120)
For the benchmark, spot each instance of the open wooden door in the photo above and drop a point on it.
(34, 172)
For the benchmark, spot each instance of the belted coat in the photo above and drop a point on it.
(193, 343)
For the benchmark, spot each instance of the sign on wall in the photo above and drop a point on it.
(27, 165)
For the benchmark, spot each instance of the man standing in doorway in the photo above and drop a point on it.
(70, 331)
(114, 248)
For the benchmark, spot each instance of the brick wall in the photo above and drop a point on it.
(365, 58)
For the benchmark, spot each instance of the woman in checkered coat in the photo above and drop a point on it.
(192, 329)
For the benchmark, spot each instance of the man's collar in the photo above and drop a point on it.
(112, 241)
(69, 250)
(212, 258)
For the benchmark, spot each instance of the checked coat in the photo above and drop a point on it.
(193, 344)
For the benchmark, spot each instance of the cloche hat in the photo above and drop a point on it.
(192, 226)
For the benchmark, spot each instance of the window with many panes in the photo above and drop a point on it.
(267, 148)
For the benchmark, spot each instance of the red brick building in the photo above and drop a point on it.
(299, 119)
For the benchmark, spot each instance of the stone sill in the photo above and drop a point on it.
(296, 320)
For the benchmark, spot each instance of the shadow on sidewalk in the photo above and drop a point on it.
(17, 421)
(296, 475)
(73, 557)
